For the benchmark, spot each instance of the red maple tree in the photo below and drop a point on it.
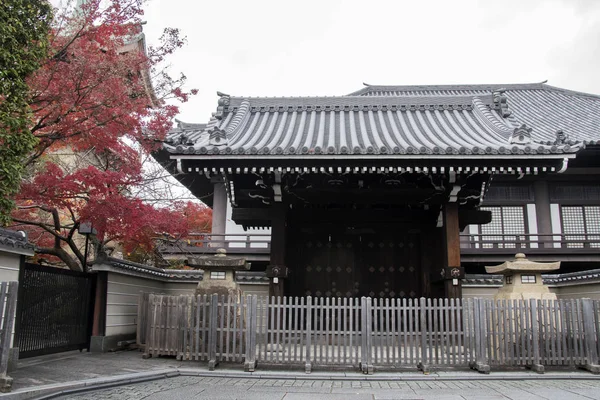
(101, 101)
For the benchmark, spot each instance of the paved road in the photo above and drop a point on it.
(197, 388)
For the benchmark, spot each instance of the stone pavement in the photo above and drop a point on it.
(202, 388)
(125, 375)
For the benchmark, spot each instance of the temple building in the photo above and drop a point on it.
(397, 191)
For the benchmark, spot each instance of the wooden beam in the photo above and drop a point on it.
(542, 210)
(473, 217)
(452, 265)
(250, 214)
(278, 245)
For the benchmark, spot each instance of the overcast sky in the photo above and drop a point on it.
(297, 48)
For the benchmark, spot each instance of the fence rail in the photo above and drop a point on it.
(544, 243)
(8, 308)
(200, 243)
(371, 333)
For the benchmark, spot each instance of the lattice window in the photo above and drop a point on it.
(507, 228)
(217, 275)
(509, 193)
(527, 278)
(574, 193)
(581, 226)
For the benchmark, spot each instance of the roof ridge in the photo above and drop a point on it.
(471, 86)
(509, 86)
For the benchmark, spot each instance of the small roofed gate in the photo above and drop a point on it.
(54, 310)
(384, 265)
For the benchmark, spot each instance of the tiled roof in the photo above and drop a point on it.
(256, 277)
(572, 277)
(455, 121)
(548, 279)
(133, 268)
(15, 242)
(545, 108)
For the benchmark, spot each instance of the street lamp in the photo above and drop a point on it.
(86, 228)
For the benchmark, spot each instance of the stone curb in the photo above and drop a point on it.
(60, 389)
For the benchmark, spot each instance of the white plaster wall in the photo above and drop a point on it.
(254, 289)
(176, 288)
(9, 271)
(122, 301)
(556, 223)
(590, 291)
(9, 266)
(261, 291)
(532, 224)
(479, 292)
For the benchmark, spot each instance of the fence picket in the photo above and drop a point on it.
(369, 332)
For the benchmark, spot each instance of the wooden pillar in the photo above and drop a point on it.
(219, 214)
(277, 269)
(542, 213)
(99, 317)
(453, 271)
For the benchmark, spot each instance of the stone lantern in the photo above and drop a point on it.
(523, 279)
(219, 272)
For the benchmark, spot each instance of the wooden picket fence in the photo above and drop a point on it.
(371, 333)
(8, 309)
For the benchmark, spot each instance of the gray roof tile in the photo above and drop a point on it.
(445, 120)
(15, 242)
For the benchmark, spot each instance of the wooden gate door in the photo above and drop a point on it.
(354, 265)
(324, 266)
(54, 310)
(390, 265)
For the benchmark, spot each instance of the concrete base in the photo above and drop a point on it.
(250, 366)
(367, 369)
(480, 367)
(212, 364)
(539, 368)
(593, 368)
(308, 368)
(6, 384)
(103, 344)
(13, 358)
(425, 368)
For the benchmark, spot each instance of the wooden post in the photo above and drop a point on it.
(9, 306)
(308, 332)
(535, 337)
(591, 337)
(219, 215)
(423, 364)
(213, 321)
(453, 270)
(542, 213)
(99, 321)
(479, 325)
(366, 306)
(278, 243)
(252, 308)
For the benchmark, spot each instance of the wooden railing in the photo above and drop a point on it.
(494, 243)
(209, 243)
(469, 243)
(371, 333)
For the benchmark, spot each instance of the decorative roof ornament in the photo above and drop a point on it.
(224, 101)
(521, 135)
(217, 137)
(561, 138)
(501, 101)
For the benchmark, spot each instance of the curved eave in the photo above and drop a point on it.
(198, 184)
(375, 157)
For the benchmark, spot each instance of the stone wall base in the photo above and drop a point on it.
(103, 344)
